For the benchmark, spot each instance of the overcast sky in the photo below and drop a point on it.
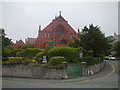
(21, 19)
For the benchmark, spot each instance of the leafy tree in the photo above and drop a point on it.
(5, 40)
(117, 48)
(93, 39)
(29, 52)
(74, 44)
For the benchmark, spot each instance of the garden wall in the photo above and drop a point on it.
(40, 72)
(93, 68)
(30, 71)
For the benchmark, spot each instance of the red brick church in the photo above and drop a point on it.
(57, 33)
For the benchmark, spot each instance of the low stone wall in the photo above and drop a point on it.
(93, 68)
(30, 71)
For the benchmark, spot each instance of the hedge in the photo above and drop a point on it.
(28, 61)
(29, 52)
(14, 62)
(40, 54)
(70, 53)
(56, 62)
(15, 58)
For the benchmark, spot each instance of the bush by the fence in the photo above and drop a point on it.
(25, 62)
(69, 53)
(89, 53)
(90, 60)
(39, 60)
(14, 52)
(17, 61)
(15, 58)
(7, 52)
(29, 52)
(56, 62)
(39, 57)
(12, 62)
(40, 54)
(4, 58)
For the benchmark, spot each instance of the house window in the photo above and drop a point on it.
(48, 34)
(50, 45)
(59, 31)
(72, 36)
(45, 34)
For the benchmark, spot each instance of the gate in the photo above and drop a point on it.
(74, 70)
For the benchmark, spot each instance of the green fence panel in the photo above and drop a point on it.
(74, 70)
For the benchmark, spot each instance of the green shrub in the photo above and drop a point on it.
(55, 61)
(40, 54)
(14, 52)
(29, 52)
(14, 62)
(69, 53)
(7, 52)
(4, 58)
(96, 60)
(39, 57)
(5, 63)
(11, 62)
(102, 57)
(90, 53)
(15, 58)
(25, 62)
(39, 60)
(90, 60)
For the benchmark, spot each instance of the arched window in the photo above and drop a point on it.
(59, 31)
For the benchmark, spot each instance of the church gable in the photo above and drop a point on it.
(58, 33)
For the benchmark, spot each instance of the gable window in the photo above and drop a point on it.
(45, 34)
(59, 31)
(48, 34)
(72, 36)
